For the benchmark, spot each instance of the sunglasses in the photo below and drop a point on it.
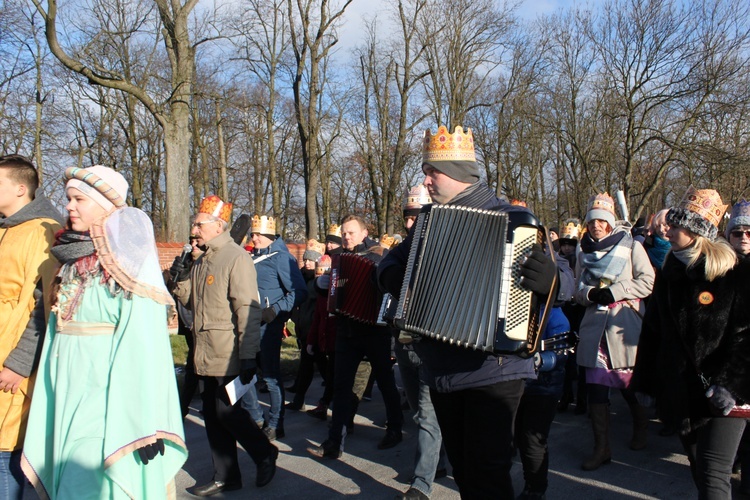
(738, 234)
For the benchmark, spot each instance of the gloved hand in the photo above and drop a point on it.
(323, 281)
(644, 399)
(601, 296)
(267, 315)
(538, 271)
(180, 271)
(149, 451)
(721, 398)
(248, 367)
(310, 350)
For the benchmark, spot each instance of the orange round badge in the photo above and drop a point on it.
(705, 298)
(210, 279)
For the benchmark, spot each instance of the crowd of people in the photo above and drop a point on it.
(658, 312)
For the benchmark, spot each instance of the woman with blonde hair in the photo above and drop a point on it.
(694, 350)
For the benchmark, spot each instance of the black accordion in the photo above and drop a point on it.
(462, 280)
(353, 292)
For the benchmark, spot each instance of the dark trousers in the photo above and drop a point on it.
(350, 350)
(477, 429)
(306, 372)
(533, 421)
(711, 450)
(227, 425)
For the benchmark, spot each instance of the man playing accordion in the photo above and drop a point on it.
(475, 393)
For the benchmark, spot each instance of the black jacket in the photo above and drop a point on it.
(694, 326)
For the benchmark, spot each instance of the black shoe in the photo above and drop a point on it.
(441, 473)
(267, 468)
(215, 487)
(294, 406)
(327, 449)
(412, 494)
(391, 439)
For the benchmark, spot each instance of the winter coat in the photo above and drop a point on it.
(619, 323)
(694, 326)
(449, 368)
(280, 281)
(26, 273)
(223, 294)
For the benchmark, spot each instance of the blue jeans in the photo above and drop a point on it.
(269, 360)
(11, 476)
(430, 455)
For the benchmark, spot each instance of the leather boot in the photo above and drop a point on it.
(640, 427)
(600, 425)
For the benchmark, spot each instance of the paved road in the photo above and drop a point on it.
(659, 472)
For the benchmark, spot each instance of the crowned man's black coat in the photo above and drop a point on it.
(694, 327)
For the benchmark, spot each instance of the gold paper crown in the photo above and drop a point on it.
(316, 246)
(212, 205)
(263, 225)
(602, 201)
(571, 230)
(704, 202)
(387, 241)
(444, 146)
(334, 230)
(417, 196)
(323, 266)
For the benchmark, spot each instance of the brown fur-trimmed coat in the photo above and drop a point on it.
(691, 326)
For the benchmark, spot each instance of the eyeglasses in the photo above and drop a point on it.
(738, 234)
(199, 224)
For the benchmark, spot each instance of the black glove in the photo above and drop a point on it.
(149, 451)
(538, 271)
(180, 271)
(601, 296)
(267, 315)
(248, 367)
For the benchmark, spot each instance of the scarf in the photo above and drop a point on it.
(606, 258)
(658, 251)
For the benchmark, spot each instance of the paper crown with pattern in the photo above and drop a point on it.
(416, 197)
(444, 146)
(740, 215)
(571, 230)
(700, 211)
(323, 266)
(263, 224)
(212, 205)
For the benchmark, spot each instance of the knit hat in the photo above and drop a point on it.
(212, 205)
(601, 207)
(451, 154)
(323, 266)
(102, 184)
(740, 215)
(415, 199)
(265, 225)
(571, 230)
(333, 235)
(700, 211)
(314, 250)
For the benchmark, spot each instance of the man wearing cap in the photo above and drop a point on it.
(221, 289)
(27, 231)
(355, 340)
(475, 394)
(281, 289)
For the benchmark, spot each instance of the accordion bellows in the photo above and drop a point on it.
(470, 296)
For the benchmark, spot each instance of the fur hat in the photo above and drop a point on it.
(451, 154)
(740, 215)
(601, 207)
(102, 184)
(314, 250)
(212, 205)
(699, 211)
